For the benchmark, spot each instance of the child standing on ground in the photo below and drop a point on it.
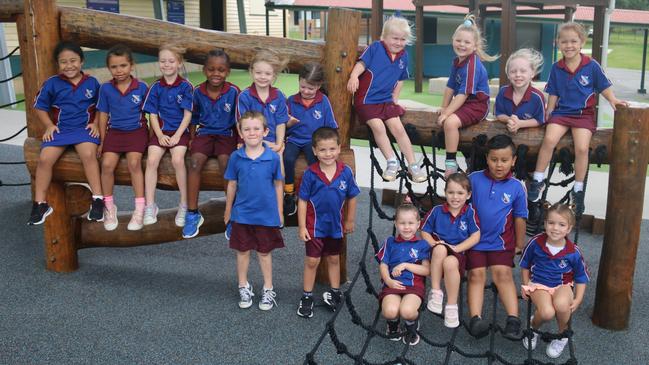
(253, 206)
(451, 229)
(376, 81)
(519, 104)
(325, 188)
(501, 204)
(310, 109)
(405, 263)
(550, 266)
(213, 130)
(123, 129)
(466, 97)
(575, 80)
(169, 104)
(65, 106)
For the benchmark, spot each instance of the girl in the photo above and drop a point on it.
(405, 263)
(466, 98)
(310, 109)
(573, 84)
(519, 104)
(66, 107)
(376, 81)
(169, 104)
(212, 130)
(550, 266)
(254, 177)
(450, 229)
(122, 127)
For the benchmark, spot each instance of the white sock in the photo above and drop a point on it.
(579, 186)
(538, 176)
(97, 197)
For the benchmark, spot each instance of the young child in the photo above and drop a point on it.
(123, 129)
(519, 104)
(213, 130)
(466, 97)
(451, 229)
(405, 263)
(501, 204)
(169, 104)
(376, 81)
(65, 106)
(573, 85)
(262, 97)
(550, 266)
(253, 206)
(326, 186)
(310, 109)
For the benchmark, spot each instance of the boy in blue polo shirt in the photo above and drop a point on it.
(501, 203)
(326, 186)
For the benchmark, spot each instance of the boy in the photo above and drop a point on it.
(501, 203)
(326, 186)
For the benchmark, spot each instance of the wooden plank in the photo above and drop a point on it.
(507, 37)
(377, 19)
(419, 49)
(598, 33)
(9, 9)
(518, 2)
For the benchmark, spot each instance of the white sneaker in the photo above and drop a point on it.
(391, 171)
(535, 340)
(555, 348)
(245, 296)
(267, 300)
(417, 174)
(435, 300)
(137, 221)
(110, 218)
(451, 316)
(150, 214)
(180, 215)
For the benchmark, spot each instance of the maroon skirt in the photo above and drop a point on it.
(119, 141)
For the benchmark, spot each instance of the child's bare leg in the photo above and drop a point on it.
(436, 266)
(310, 270)
(333, 268)
(381, 137)
(266, 265)
(223, 162)
(390, 306)
(134, 160)
(451, 279)
(504, 280)
(409, 307)
(562, 300)
(452, 126)
(194, 179)
(154, 155)
(403, 141)
(544, 308)
(109, 161)
(475, 292)
(243, 261)
(553, 133)
(87, 152)
(581, 138)
(178, 162)
(46, 161)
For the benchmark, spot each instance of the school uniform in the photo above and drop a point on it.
(255, 217)
(215, 121)
(169, 102)
(274, 108)
(71, 108)
(397, 250)
(577, 92)
(469, 77)
(127, 127)
(498, 203)
(531, 106)
(373, 99)
(325, 199)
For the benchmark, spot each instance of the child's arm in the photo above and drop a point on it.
(422, 269)
(514, 124)
(230, 192)
(351, 215)
(452, 106)
(552, 103)
(467, 243)
(303, 233)
(103, 126)
(292, 121)
(50, 127)
(352, 84)
(520, 227)
(155, 125)
(610, 97)
(94, 126)
(580, 290)
(429, 238)
(525, 280)
(387, 279)
(397, 91)
(280, 134)
(187, 118)
(279, 193)
(446, 99)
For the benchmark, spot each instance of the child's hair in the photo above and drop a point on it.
(120, 50)
(313, 73)
(534, 57)
(461, 179)
(176, 50)
(251, 114)
(501, 141)
(324, 133)
(406, 207)
(575, 27)
(469, 25)
(276, 61)
(399, 24)
(216, 53)
(564, 211)
(67, 46)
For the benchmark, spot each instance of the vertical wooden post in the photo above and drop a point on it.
(377, 19)
(419, 48)
(628, 159)
(507, 36)
(598, 33)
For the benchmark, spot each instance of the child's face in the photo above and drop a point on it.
(396, 41)
(570, 44)
(308, 90)
(557, 226)
(216, 70)
(263, 74)
(464, 43)
(120, 68)
(327, 151)
(520, 72)
(252, 131)
(500, 162)
(70, 64)
(456, 195)
(169, 63)
(407, 223)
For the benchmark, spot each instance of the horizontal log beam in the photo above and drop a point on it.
(9, 9)
(103, 30)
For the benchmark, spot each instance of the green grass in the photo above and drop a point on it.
(626, 49)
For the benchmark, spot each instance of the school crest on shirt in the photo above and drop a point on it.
(88, 93)
(463, 226)
(227, 107)
(136, 99)
(343, 185)
(414, 253)
(527, 116)
(272, 108)
(584, 80)
(563, 263)
(507, 198)
(402, 64)
(179, 98)
(458, 79)
(317, 114)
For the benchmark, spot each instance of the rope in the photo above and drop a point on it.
(10, 54)
(14, 135)
(11, 78)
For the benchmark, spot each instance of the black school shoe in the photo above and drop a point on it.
(478, 327)
(305, 308)
(577, 198)
(290, 206)
(332, 299)
(40, 211)
(392, 330)
(411, 336)
(513, 329)
(96, 212)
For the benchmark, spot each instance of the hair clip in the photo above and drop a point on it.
(467, 23)
(546, 205)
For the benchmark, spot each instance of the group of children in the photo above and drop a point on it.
(257, 134)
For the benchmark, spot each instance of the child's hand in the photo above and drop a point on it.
(94, 130)
(173, 140)
(99, 150)
(548, 114)
(164, 140)
(398, 269)
(440, 120)
(394, 284)
(615, 102)
(226, 217)
(303, 234)
(575, 304)
(349, 225)
(48, 135)
(292, 121)
(513, 124)
(525, 293)
(281, 220)
(352, 84)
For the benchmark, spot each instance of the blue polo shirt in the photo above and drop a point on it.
(255, 202)
(377, 82)
(531, 106)
(469, 77)
(169, 102)
(396, 251)
(315, 115)
(325, 199)
(497, 203)
(443, 225)
(566, 267)
(71, 107)
(273, 108)
(124, 109)
(576, 90)
(215, 116)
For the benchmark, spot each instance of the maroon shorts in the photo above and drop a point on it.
(478, 259)
(213, 145)
(418, 291)
(575, 121)
(119, 141)
(184, 139)
(473, 111)
(245, 237)
(383, 111)
(327, 246)
(460, 256)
